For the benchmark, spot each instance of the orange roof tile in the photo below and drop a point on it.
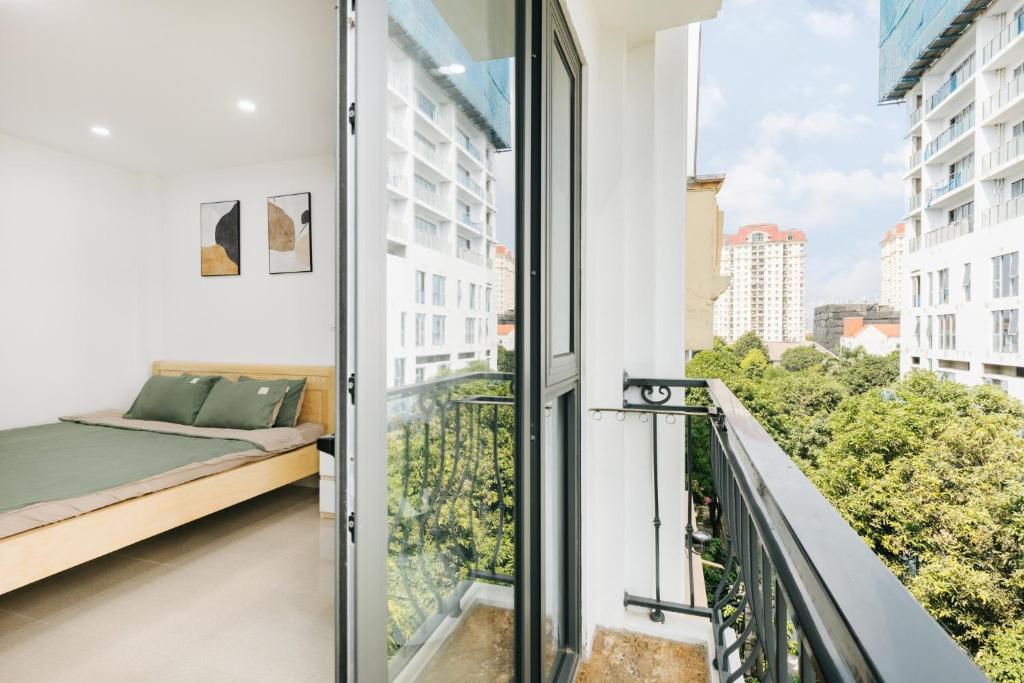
(770, 229)
(505, 329)
(851, 326)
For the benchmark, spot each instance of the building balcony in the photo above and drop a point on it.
(913, 161)
(433, 241)
(956, 83)
(996, 49)
(398, 84)
(471, 152)
(1006, 104)
(913, 204)
(470, 256)
(435, 202)
(949, 190)
(434, 157)
(914, 244)
(1006, 159)
(948, 232)
(1001, 213)
(398, 229)
(791, 593)
(472, 187)
(397, 183)
(945, 140)
(914, 118)
(398, 134)
(439, 117)
(469, 222)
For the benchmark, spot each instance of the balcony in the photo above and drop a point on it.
(434, 201)
(431, 240)
(397, 228)
(397, 133)
(797, 595)
(1003, 157)
(949, 136)
(398, 84)
(1000, 108)
(437, 115)
(914, 244)
(434, 157)
(955, 81)
(913, 160)
(914, 203)
(948, 232)
(1002, 41)
(947, 188)
(397, 182)
(1000, 213)
(471, 223)
(914, 117)
(470, 256)
(472, 187)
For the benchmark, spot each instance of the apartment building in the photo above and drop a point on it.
(766, 292)
(442, 133)
(893, 248)
(965, 197)
(505, 279)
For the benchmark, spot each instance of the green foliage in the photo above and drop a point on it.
(930, 473)
(802, 358)
(506, 360)
(747, 343)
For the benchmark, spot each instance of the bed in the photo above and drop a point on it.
(96, 515)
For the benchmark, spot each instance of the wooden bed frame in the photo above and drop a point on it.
(47, 550)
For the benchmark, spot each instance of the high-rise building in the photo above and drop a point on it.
(505, 277)
(766, 291)
(443, 129)
(893, 248)
(962, 79)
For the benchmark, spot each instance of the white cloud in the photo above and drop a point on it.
(712, 101)
(820, 123)
(765, 186)
(832, 25)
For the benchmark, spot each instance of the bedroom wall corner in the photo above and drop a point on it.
(75, 234)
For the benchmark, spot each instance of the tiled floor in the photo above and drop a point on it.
(243, 595)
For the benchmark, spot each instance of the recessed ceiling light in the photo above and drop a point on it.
(100, 131)
(452, 69)
(246, 105)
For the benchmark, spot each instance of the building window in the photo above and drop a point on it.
(425, 185)
(399, 372)
(438, 330)
(947, 332)
(425, 104)
(470, 331)
(944, 286)
(463, 209)
(472, 297)
(1005, 270)
(464, 243)
(967, 282)
(1004, 330)
(421, 287)
(421, 329)
(1001, 383)
(928, 333)
(917, 331)
(439, 290)
(1016, 188)
(931, 288)
(487, 300)
(401, 329)
(459, 294)
(915, 287)
(420, 375)
(426, 226)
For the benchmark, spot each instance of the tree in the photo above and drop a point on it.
(506, 360)
(747, 342)
(754, 363)
(862, 371)
(801, 358)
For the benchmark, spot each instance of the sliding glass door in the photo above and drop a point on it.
(465, 318)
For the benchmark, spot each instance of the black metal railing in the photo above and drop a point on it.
(799, 595)
(450, 491)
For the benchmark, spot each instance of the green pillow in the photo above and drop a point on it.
(171, 399)
(250, 404)
(295, 390)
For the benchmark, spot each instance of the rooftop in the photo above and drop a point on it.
(771, 232)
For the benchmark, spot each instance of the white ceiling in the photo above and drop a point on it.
(165, 77)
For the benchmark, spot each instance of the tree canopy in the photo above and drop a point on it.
(930, 473)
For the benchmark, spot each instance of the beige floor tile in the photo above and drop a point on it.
(247, 599)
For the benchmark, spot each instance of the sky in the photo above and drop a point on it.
(789, 112)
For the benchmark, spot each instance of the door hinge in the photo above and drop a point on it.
(352, 388)
(352, 526)
(352, 117)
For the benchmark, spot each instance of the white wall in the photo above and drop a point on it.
(73, 233)
(100, 277)
(254, 317)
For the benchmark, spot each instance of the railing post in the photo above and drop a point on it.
(688, 460)
(656, 614)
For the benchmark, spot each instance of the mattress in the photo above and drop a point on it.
(52, 472)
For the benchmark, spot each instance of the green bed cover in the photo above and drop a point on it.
(66, 459)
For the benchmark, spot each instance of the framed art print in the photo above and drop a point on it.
(289, 233)
(219, 238)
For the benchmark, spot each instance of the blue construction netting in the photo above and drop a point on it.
(907, 28)
(484, 85)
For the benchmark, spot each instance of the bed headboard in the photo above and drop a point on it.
(317, 406)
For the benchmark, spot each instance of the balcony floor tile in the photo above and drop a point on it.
(621, 656)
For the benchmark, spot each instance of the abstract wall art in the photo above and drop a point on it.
(219, 238)
(289, 233)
